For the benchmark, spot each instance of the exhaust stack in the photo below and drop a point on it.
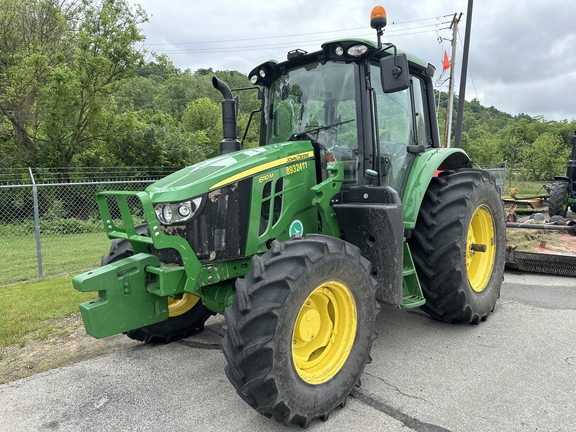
(230, 142)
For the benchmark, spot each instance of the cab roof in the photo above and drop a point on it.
(269, 70)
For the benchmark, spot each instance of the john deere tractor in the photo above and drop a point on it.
(347, 203)
(563, 191)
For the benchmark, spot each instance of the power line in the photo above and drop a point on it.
(285, 44)
(339, 31)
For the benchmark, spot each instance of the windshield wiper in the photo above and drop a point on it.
(305, 133)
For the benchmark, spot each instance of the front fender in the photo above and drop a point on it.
(423, 169)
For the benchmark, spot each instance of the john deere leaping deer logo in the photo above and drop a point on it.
(296, 228)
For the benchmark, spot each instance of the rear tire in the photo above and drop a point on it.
(558, 193)
(461, 211)
(301, 328)
(185, 315)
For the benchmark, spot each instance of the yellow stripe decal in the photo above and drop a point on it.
(264, 167)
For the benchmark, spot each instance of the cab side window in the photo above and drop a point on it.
(423, 136)
(395, 130)
(394, 112)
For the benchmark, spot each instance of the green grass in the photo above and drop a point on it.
(28, 307)
(60, 254)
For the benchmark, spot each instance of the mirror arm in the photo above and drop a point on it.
(397, 71)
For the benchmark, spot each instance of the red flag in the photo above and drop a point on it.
(446, 62)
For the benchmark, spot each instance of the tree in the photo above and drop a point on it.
(547, 157)
(139, 94)
(160, 67)
(35, 38)
(61, 65)
(486, 150)
(205, 117)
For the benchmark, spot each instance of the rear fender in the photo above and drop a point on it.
(423, 169)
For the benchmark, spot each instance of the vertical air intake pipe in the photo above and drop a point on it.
(230, 142)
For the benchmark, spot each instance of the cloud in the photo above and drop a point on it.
(521, 57)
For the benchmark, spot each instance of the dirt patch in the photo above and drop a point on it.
(532, 240)
(528, 239)
(68, 343)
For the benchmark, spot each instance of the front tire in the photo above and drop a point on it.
(301, 328)
(558, 194)
(459, 245)
(185, 315)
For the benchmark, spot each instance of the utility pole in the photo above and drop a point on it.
(448, 131)
(463, 74)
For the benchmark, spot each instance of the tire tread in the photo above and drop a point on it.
(438, 243)
(251, 330)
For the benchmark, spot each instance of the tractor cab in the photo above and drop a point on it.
(341, 100)
(369, 108)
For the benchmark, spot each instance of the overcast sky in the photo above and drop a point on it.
(522, 57)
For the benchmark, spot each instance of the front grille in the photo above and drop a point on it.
(218, 232)
(271, 204)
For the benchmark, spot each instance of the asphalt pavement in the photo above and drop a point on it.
(514, 372)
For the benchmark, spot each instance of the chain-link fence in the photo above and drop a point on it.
(50, 223)
(49, 218)
(499, 174)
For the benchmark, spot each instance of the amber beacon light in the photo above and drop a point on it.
(378, 18)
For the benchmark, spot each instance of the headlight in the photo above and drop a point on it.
(172, 213)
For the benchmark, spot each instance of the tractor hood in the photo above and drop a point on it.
(222, 170)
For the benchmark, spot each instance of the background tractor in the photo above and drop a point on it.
(562, 194)
(348, 203)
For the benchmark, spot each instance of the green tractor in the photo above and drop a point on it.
(562, 194)
(347, 203)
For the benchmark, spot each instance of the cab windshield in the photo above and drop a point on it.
(316, 101)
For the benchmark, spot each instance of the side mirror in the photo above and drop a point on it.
(394, 73)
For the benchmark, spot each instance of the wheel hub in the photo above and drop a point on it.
(480, 248)
(324, 332)
(309, 325)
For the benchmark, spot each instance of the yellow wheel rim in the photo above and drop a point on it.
(181, 306)
(480, 248)
(324, 332)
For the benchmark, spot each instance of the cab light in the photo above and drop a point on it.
(339, 50)
(254, 79)
(357, 50)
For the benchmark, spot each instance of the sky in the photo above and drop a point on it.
(522, 53)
